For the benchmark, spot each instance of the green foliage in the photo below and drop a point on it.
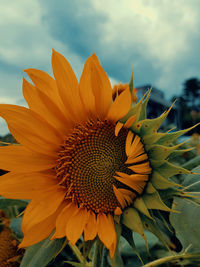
(187, 223)
(16, 227)
(40, 254)
(5, 203)
(8, 139)
(191, 164)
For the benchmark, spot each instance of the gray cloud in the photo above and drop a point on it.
(75, 23)
(160, 39)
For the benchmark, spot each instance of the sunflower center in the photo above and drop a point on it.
(88, 162)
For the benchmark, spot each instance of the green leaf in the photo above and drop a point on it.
(131, 84)
(154, 201)
(194, 162)
(154, 228)
(171, 137)
(187, 223)
(16, 226)
(192, 181)
(152, 138)
(144, 106)
(117, 260)
(127, 234)
(168, 169)
(159, 182)
(42, 253)
(152, 240)
(4, 203)
(150, 126)
(140, 205)
(132, 220)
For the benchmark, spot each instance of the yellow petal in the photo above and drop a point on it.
(76, 224)
(135, 146)
(118, 127)
(137, 159)
(68, 86)
(136, 152)
(101, 86)
(90, 230)
(143, 168)
(41, 230)
(41, 207)
(45, 84)
(29, 130)
(86, 91)
(136, 182)
(118, 211)
(19, 159)
(119, 197)
(106, 232)
(129, 140)
(120, 106)
(41, 104)
(24, 185)
(130, 121)
(128, 195)
(63, 218)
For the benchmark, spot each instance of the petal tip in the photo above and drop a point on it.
(94, 58)
(53, 50)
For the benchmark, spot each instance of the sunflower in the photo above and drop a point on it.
(84, 160)
(119, 88)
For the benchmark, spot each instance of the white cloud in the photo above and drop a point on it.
(25, 43)
(3, 128)
(7, 100)
(160, 30)
(25, 38)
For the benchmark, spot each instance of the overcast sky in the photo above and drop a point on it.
(159, 37)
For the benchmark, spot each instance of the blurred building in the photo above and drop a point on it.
(157, 105)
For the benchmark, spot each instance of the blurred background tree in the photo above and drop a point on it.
(191, 93)
(189, 105)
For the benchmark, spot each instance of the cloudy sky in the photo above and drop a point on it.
(159, 37)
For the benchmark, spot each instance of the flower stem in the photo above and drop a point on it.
(172, 258)
(97, 257)
(76, 252)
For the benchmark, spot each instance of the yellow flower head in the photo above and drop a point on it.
(83, 157)
(119, 88)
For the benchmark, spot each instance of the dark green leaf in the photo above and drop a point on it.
(40, 254)
(16, 226)
(187, 222)
(4, 203)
